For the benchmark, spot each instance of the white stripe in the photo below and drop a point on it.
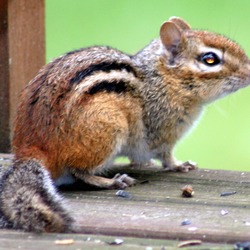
(113, 75)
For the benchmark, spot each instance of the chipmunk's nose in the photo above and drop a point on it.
(248, 67)
(248, 70)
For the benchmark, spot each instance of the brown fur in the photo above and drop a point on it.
(88, 106)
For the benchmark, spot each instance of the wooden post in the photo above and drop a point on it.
(22, 53)
(4, 78)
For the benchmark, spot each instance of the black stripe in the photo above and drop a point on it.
(114, 86)
(103, 66)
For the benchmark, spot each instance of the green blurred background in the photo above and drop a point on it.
(222, 138)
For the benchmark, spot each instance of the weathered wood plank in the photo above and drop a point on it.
(156, 208)
(18, 240)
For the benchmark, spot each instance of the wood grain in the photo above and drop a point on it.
(157, 208)
(4, 79)
(154, 212)
(22, 53)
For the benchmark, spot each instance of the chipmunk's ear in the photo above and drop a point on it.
(180, 23)
(171, 36)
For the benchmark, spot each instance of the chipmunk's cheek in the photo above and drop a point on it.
(199, 68)
(209, 91)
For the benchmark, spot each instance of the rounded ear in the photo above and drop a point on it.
(170, 35)
(180, 23)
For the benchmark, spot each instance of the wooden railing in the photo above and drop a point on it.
(22, 53)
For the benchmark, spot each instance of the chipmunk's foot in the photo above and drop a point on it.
(122, 181)
(119, 181)
(181, 167)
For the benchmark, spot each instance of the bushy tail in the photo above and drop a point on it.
(29, 200)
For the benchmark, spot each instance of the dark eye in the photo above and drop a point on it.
(210, 59)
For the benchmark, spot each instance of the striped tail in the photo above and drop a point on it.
(29, 200)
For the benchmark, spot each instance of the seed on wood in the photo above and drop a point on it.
(228, 193)
(186, 222)
(223, 212)
(242, 246)
(189, 243)
(64, 242)
(116, 242)
(247, 223)
(123, 194)
(187, 191)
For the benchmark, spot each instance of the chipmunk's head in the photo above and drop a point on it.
(208, 65)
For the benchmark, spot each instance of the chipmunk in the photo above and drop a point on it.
(88, 106)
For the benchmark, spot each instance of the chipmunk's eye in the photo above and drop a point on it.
(210, 59)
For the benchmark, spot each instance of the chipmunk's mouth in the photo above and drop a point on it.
(234, 84)
(235, 87)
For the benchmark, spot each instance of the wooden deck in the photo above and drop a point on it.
(153, 213)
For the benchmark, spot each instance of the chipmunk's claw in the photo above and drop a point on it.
(182, 167)
(122, 181)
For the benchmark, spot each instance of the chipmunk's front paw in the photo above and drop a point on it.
(181, 166)
(122, 181)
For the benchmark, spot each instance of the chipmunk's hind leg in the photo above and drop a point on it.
(103, 134)
(119, 181)
(100, 161)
